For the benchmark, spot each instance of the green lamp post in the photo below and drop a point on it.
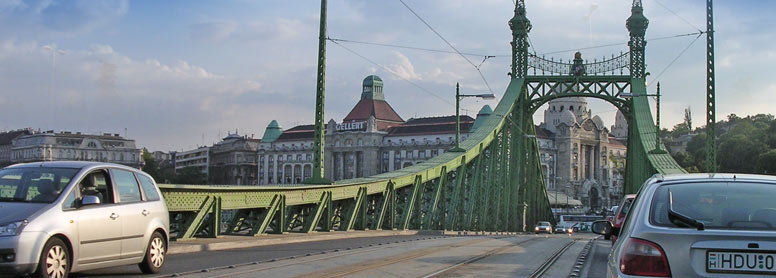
(458, 97)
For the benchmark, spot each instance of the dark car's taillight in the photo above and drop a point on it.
(644, 258)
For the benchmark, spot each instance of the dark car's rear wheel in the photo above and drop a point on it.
(155, 254)
(54, 260)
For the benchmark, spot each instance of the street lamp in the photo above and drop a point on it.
(458, 97)
(54, 52)
(657, 149)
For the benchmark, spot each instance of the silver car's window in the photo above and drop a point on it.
(148, 188)
(34, 185)
(97, 183)
(718, 205)
(126, 185)
(70, 201)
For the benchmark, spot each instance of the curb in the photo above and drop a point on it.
(190, 246)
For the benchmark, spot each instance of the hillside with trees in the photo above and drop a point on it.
(744, 145)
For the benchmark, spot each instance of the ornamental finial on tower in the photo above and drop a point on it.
(637, 23)
(520, 26)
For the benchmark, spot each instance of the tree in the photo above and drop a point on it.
(766, 162)
(738, 153)
(151, 166)
(688, 118)
(190, 175)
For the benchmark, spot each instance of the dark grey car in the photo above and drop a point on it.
(699, 225)
(62, 217)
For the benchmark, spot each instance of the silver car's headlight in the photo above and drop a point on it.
(13, 228)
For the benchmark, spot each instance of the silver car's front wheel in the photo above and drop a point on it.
(155, 254)
(54, 260)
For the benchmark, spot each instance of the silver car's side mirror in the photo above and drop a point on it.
(90, 200)
(601, 227)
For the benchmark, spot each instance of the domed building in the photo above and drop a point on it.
(370, 140)
(580, 156)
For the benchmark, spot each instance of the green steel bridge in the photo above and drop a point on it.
(494, 184)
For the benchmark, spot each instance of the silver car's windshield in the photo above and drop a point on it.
(718, 205)
(35, 185)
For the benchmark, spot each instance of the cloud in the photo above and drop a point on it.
(403, 69)
(98, 89)
(279, 29)
(212, 31)
(61, 16)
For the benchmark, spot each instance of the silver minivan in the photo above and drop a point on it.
(71, 216)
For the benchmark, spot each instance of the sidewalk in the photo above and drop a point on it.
(233, 242)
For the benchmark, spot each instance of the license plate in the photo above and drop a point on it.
(741, 262)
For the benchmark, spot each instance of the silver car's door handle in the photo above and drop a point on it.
(145, 213)
(114, 216)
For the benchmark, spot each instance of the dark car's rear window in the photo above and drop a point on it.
(626, 206)
(718, 205)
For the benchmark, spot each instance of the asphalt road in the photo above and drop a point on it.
(598, 257)
(190, 262)
(387, 256)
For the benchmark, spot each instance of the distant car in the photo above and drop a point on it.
(699, 225)
(63, 217)
(543, 227)
(619, 215)
(569, 230)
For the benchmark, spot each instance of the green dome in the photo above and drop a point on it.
(273, 131)
(373, 80)
(486, 110)
(482, 116)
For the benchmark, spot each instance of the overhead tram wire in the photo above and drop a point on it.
(391, 72)
(657, 77)
(623, 43)
(679, 16)
(411, 47)
(504, 55)
(449, 44)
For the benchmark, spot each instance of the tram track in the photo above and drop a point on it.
(483, 244)
(551, 260)
(335, 253)
(536, 274)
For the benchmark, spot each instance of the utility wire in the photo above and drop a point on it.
(392, 72)
(408, 47)
(677, 15)
(448, 43)
(616, 44)
(503, 55)
(657, 78)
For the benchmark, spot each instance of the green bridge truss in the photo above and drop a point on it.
(496, 184)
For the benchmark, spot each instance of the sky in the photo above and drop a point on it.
(174, 75)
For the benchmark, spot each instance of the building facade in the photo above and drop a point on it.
(581, 157)
(198, 158)
(234, 161)
(370, 140)
(51, 146)
(6, 144)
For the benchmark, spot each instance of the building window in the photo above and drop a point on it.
(309, 157)
(360, 142)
